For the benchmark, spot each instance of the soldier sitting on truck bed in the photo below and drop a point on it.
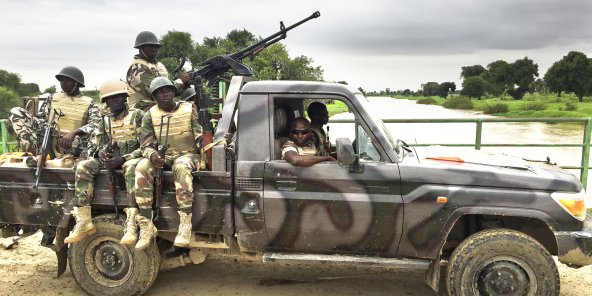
(144, 69)
(119, 134)
(183, 136)
(80, 117)
(300, 150)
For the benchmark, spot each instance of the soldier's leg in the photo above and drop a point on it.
(144, 189)
(25, 128)
(84, 176)
(130, 233)
(182, 168)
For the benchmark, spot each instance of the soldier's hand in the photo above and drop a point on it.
(114, 162)
(66, 141)
(156, 160)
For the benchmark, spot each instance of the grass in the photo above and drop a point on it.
(336, 107)
(532, 105)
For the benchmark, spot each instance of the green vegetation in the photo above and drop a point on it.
(532, 105)
(9, 99)
(459, 102)
(495, 108)
(336, 107)
(427, 101)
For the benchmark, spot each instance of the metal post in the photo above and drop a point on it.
(478, 132)
(4, 132)
(586, 152)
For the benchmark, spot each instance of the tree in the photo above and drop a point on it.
(50, 90)
(9, 80)
(523, 73)
(430, 89)
(471, 71)
(173, 45)
(538, 86)
(28, 89)
(473, 87)
(444, 88)
(8, 101)
(407, 92)
(572, 73)
(498, 74)
(362, 90)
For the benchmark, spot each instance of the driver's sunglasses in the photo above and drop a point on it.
(299, 132)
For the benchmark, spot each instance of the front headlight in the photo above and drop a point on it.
(574, 203)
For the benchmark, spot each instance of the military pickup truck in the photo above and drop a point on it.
(496, 224)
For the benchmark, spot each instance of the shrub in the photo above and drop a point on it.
(459, 102)
(427, 101)
(8, 99)
(569, 106)
(495, 108)
(534, 106)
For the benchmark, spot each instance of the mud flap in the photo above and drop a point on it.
(59, 247)
(432, 275)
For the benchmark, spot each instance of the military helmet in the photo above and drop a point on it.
(145, 38)
(160, 82)
(72, 72)
(188, 93)
(111, 88)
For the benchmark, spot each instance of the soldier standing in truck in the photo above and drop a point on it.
(182, 156)
(121, 149)
(74, 127)
(144, 69)
(301, 150)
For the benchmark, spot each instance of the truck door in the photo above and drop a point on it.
(328, 207)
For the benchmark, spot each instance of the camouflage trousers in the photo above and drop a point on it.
(29, 132)
(182, 167)
(85, 185)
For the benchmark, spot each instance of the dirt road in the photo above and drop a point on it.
(29, 269)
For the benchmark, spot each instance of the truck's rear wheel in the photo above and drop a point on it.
(102, 266)
(501, 262)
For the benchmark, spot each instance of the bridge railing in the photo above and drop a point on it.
(478, 143)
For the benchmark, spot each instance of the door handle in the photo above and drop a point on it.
(285, 185)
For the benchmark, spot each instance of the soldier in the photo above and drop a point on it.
(182, 156)
(300, 150)
(319, 116)
(144, 69)
(74, 127)
(125, 125)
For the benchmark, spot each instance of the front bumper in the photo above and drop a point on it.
(575, 247)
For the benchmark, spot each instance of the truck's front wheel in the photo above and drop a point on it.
(102, 266)
(501, 262)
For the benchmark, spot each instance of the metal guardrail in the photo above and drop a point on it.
(478, 144)
(5, 146)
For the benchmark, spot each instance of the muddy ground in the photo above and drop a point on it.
(29, 269)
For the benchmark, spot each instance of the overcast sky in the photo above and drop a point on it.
(374, 44)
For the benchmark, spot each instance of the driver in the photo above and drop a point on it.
(301, 150)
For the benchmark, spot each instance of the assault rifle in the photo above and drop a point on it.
(42, 156)
(218, 65)
(109, 151)
(162, 149)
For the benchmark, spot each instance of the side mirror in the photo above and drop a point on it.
(345, 151)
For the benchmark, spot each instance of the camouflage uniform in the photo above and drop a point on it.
(319, 137)
(182, 154)
(308, 149)
(139, 75)
(29, 130)
(127, 147)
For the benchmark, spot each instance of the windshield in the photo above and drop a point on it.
(369, 107)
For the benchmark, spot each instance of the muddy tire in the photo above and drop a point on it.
(102, 266)
(501, 262)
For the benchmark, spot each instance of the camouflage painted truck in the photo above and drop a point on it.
(496, 224)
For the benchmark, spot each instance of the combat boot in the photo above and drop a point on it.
(130, 232)
(147, 232)
(84, 226)
(184, 234)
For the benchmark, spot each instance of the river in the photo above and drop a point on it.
(492, 133)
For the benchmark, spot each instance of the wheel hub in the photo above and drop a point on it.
(503, 278)
(111, 260)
